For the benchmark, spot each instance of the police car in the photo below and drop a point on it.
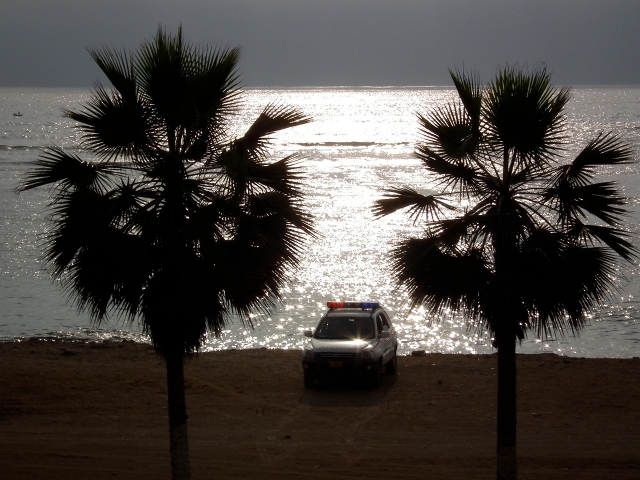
(352, 339)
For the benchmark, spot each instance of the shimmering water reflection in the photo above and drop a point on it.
(360, 142)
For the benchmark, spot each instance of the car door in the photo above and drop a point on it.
(393, 335)
(386, 344)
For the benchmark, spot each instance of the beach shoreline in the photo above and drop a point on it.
(98, 410)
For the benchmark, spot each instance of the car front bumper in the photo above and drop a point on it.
(326, 368)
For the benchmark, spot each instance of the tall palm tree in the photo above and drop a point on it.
(172, 222)
(516, 240)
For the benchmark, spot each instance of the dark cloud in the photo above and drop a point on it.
(333, 42)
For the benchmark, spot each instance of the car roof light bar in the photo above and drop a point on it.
(337, 304)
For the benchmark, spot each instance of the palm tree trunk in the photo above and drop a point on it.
(507, 459)
(178, 437)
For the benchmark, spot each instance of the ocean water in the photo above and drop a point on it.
(361, 141)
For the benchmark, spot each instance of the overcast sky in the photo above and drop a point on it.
(333, 42)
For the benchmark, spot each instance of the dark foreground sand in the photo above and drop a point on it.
(93, 411)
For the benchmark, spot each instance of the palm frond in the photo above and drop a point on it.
(246, 173)
(467, 232)
(284, 176)
(523, 112)
(114, 125)
(119, 259)
(418, 205)
(80, 217)
(601, 200)
(562, 286)
(118, 67)
(615, 239)
(161, 74)
(213, 91)
(449, 132)
(469, 88)
(234, 168)
(540, 283)
(277, 204)
(605, 149)
(254, 264)
(193, 90)
(66, 171)
(272, 119)
(452, 174)
(127, 205)
(572, 190)
(436, 279)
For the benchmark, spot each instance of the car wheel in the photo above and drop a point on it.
(392, 365)
(309, 380)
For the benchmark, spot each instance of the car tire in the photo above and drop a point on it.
(392, 365)
(309, 380)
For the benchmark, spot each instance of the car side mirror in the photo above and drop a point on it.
(384, 334)
(308, 333)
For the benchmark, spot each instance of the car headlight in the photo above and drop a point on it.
(307, 352)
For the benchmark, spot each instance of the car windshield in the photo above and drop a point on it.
(346, 328)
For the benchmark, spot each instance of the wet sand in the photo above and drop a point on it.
(97, 411)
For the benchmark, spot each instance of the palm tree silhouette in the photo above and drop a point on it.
(516, 241)
(173, 223)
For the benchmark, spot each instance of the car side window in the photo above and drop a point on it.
(386, 325)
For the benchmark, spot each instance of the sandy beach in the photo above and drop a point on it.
(77, 411)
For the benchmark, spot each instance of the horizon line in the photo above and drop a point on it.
(294, 87)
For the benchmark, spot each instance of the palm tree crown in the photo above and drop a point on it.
(534, 246)
(173, 222)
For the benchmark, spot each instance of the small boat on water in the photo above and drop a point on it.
(17, 114)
